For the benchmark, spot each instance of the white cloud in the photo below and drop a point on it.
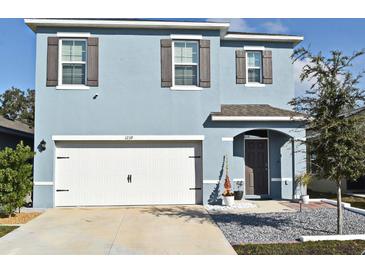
(236, 24)
(275, 27)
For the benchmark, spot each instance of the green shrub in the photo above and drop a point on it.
(15, 177)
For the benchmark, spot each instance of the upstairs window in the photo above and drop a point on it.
(185, 63)
(72, 62)
(254, 66)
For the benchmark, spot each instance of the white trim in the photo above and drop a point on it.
(238, 179)
(257, 118)
(254, 48)
(210, 181)
(72, 87)
(332, 238)
(281, 179)
(73, 34)
(43, 183)
(227, 139)
(186, 88)
(186, 37)
(264, 37)
(128, 137)
(255, 85)
(61, 62)
(34, 23)
(252, 137)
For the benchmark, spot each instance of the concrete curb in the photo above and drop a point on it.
(345, 205)
(331, 238)
(332, 202)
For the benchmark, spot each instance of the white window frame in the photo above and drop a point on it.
(61, 62)
(247, 68)
(185, 87)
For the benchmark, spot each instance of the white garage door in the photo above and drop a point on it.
(128, 173)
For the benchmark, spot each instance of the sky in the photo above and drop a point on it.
(17, 43)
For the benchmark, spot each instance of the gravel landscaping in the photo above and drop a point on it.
(285, 227)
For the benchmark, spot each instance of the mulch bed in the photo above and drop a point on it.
(306, 248)
(18, 218)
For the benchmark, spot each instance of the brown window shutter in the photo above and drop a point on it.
(240, 66)
(204, 62)
(93, 61)
(267, 67)
(52, 62)
(166, 63)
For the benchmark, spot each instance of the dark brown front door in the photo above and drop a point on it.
(256, 167)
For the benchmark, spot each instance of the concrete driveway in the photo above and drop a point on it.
(122, 230)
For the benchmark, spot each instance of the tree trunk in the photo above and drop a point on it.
(339, 209)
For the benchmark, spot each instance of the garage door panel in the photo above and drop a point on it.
(96, 173)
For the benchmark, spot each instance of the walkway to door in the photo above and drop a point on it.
(122, 230)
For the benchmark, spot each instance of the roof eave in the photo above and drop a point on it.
(257, 118)
(34, 23)
(264, 38)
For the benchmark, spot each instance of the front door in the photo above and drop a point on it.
(256, 170)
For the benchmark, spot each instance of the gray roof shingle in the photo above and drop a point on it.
(15, 125)
(254, 110)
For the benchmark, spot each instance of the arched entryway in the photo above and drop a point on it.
(268, 163)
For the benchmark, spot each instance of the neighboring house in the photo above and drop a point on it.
(12, 132)
(137, 112)
(323, 185)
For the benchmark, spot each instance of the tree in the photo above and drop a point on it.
(15, 177)
(338, 137)
(16, 104)
(27, 115)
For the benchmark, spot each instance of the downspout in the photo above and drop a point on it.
(293, 167)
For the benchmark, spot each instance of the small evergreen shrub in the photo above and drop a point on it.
(15, 177)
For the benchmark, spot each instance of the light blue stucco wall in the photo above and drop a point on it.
(132, 102)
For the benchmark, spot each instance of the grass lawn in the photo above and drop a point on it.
(306, 248)
(6, 229)
(354, 201)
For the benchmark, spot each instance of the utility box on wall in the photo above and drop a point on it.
(286, 188)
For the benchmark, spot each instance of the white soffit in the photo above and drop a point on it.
(263, 37)
(34, 23)
(128, 137)
(257, 118)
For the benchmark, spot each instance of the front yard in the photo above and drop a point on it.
(285, 226)
(354, 201)
(307, 248)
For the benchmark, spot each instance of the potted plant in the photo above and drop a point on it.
(238, 194)
(304, 180)
(228, 195)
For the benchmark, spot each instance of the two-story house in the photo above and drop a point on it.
(134, 112)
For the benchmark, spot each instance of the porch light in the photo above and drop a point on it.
(42, 146)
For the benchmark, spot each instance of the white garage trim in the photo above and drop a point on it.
(109, 173)
(128, 137)
(43, 183)
(257, 118)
